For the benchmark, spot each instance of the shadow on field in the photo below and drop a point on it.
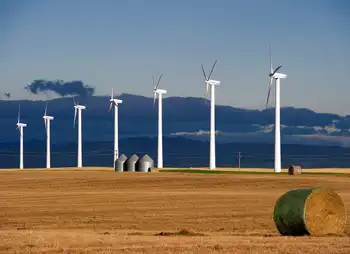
(182, 232)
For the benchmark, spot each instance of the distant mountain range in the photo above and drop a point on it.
(188, 117)
(308, 138)
(178, 152)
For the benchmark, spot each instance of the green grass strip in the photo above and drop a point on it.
(197, 171)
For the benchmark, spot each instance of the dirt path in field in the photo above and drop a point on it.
(108, 212)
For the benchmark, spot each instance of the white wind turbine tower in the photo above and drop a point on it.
(79, 108)
(20, 127)
(115, 102)
(47, 120)
(212, 83)
(160, 93)
(277, 76)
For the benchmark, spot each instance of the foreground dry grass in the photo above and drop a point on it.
(107, 212)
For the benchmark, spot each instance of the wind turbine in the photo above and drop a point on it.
(160, 93)
(212, 83)
(277, 77)
(115, 102)
(20, 127)
(47, 120)
(78, 108)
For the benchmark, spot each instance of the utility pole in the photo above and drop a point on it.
(239, 156)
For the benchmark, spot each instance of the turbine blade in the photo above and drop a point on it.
(75, 116)
(154, 85)
(45, 121)
(212, 69)
(45, 109)
(112, 94)
(268, 94)
(205, 76)
(268, 97)
(159, 80)
(271, 69)
(110, 106)
(279, 67)
(154, 99)
(19, 113)
(206, 92)
(74, 101)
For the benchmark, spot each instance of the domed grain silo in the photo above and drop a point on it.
(145, 164)
(120, 162)
(129, 164)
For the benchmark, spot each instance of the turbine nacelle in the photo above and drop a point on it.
(213, 82)
(116, 101)
(21, 125)
(279, 75)
(48, 117)
(160, 91)
(79, 107)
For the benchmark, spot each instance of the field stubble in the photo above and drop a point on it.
(107, 212)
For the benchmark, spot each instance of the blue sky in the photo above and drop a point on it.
(121, 44)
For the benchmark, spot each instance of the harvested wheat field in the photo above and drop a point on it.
(108, 212)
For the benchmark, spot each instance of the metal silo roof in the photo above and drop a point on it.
(122, 157)
(130, 163)
(146, 158)
(133, 158)
(145, 164)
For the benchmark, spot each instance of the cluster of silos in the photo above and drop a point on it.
(134, 164)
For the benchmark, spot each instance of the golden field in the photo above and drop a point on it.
(100, 211)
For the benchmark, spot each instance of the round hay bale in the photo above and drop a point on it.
(314, 211)
(294, 170)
